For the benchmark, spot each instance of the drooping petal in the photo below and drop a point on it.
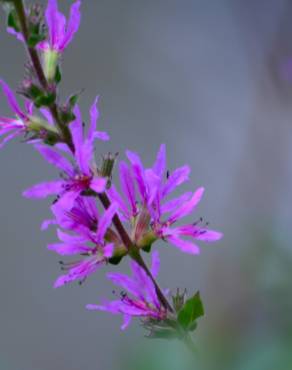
(105, 221)
(44, 189)
(188, 206)
(73, 24)
(184, 245)
(55, 158)
(12, 100)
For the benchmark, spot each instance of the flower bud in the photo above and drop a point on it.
(50, 63)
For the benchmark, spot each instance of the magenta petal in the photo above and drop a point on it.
(173, 204)
(115, 197)
(105, 221)
(124, 282)
(98, 184)
(94, 115)
(126, 322)
(188, 206)
(184, 245)
(68, 249)
(12, 100)
(76, 128)
(67, 199)
(138, 173)
(155, 263)
(101, 135)
(147, 288)
(46, 223)
(160, 164)
(179, 176)
(47, 115)
(18, 35)
(127, 184)
(73, 24)
(9, 137)
(55, 158)
(44, 189)
(108, 250)
(209, 235)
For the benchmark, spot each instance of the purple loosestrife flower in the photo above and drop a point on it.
(138, 298)
(24, 121)
(153, 213)
(60, 34)
(81, 176)
(87, 239)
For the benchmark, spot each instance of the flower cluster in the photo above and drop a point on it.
(98, 223)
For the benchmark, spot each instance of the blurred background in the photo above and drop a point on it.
(212, 80)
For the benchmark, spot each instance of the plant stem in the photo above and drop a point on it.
(35, 60)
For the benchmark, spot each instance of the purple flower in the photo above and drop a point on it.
(87, 239)
(138, 297)
(60, 32)
(81, 176)
(151, 212)
(12, 127)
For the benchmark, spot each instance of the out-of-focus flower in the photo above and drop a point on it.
(138, 298)
(24, 121)
(152, 214)
(87, 240)
(80, 176)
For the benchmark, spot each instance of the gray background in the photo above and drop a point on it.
(205, 78)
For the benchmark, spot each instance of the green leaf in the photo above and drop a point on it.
(190, 312)
(44, 100)
(12, 21)
(115, 260)
(58, 75)
(34, 39)
(73, 100)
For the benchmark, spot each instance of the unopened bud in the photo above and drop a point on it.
(108, 165)
(50, 61)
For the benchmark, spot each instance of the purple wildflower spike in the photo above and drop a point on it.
(86, 238)
(76, 179)
(138, 298)
(60, 32)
